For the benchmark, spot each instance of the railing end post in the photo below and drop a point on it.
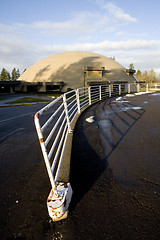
(58, 205)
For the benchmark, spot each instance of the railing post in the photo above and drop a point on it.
(66, 111)
(138, 87)
(119, 89)
(100, 93)
(78, 101)
(147, 87)
(129, 88)
(89, 95)
(109, 90)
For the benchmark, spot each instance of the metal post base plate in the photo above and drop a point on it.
(58, 205)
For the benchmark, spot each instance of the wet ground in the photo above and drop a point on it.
(115, 176)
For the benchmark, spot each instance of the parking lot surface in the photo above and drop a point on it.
(115, 173)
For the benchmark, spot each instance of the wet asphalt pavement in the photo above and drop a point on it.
(115, 176)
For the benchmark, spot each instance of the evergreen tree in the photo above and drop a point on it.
(139, 75)
(4, 75)
(14, 74)
(18, 73)
(8, 76)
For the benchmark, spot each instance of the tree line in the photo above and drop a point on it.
(6, 76)
(148, 77)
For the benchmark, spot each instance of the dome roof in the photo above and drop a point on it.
(69, 67)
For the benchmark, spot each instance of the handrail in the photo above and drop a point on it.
(53, 132)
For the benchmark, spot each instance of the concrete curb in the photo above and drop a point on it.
(64, 174)
(23, 104)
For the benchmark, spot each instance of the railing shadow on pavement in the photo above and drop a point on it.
(93, 143)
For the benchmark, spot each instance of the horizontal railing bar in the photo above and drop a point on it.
(96, 86)
(60, 160)
(83, 95)
(50, 119)
(73, 96)
(95, 95)
(104, 94)
(41, 111)
(56, 139)
(85, 102)
(71, 102)
(72, 107)
(74, 116)
(83, 99)
(73, 112)
(53, 129)
(83, 88)
(72, 91)
(83, 105)
(58, 149)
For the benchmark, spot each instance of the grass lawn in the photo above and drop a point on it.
(28, 100)
(55, 94)
(2, 98)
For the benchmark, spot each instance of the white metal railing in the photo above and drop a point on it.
(54, 123)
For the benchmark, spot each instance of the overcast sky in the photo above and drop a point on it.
(33, 29)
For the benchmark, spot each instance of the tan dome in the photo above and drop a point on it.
(75, 68)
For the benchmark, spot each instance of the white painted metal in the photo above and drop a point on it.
(45, 155)
(56, 139)
(100, 93)
(119, 89)
(66, 110)
(129, 88)
(53, 132)
(110, 91)
(58, 207)
(78, 101)
(89, 95)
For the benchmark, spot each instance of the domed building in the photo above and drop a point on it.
(70, 70)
